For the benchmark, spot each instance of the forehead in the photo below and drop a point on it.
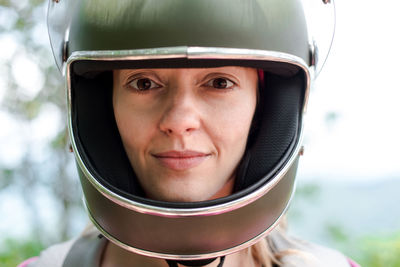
(238, 72)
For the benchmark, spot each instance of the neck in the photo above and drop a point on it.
(116, 256)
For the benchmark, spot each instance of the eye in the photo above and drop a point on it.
(220, 83)
(142, 84)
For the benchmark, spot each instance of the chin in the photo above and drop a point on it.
(184, 195)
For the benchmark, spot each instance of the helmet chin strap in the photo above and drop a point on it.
(173, 263)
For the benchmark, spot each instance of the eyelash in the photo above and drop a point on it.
(135, 80)
(229, 86)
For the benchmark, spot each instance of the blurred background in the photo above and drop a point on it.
(349, 176)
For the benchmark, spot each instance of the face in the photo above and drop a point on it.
(185, 130)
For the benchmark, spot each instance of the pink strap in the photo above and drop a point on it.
(353, 263)
(27, 262)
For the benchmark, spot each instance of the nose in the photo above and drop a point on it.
(181, 114)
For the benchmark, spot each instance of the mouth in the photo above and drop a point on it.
(181, 160)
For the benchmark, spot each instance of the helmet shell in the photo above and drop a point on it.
(94, 25)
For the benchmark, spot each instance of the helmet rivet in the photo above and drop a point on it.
(325, 1)
(301, 153)
(56, 1)
(70, 148)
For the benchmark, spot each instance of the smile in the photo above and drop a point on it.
(181, 160)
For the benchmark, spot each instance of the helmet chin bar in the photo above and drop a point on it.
(190, 234)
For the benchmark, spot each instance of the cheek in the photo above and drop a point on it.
(238, 132)
(134, 127)
(232, 123)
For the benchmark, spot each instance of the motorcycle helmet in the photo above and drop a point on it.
(90, 38)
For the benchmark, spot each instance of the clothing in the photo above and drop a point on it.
(86, 250)
(53, 256)
(28, 261)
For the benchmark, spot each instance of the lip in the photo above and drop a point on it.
(181, 160)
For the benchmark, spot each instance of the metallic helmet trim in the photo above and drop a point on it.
(189, 53)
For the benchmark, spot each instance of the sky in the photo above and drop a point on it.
(358, 84)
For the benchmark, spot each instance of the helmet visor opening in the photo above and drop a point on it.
(98, 143)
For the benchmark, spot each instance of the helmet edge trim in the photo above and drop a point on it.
(220, 253)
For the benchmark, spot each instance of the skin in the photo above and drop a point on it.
(185, 130)
(185, 134)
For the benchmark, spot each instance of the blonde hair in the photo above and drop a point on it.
(264, 252)
(270, 252)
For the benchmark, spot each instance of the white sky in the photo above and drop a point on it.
(359, 82)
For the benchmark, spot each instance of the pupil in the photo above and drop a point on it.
(220, 83)
(143, 84)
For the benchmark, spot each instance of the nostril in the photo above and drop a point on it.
(170, 131)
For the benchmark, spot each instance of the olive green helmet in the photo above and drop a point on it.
(90, 38)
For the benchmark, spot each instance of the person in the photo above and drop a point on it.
(185, 119)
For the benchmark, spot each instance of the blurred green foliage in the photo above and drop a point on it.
(372, 250)
(45, 168)
(16, 251)
(378, 250)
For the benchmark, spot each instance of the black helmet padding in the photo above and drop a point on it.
(277, 128)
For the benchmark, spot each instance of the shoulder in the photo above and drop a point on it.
(53, 256)
(296, 252)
